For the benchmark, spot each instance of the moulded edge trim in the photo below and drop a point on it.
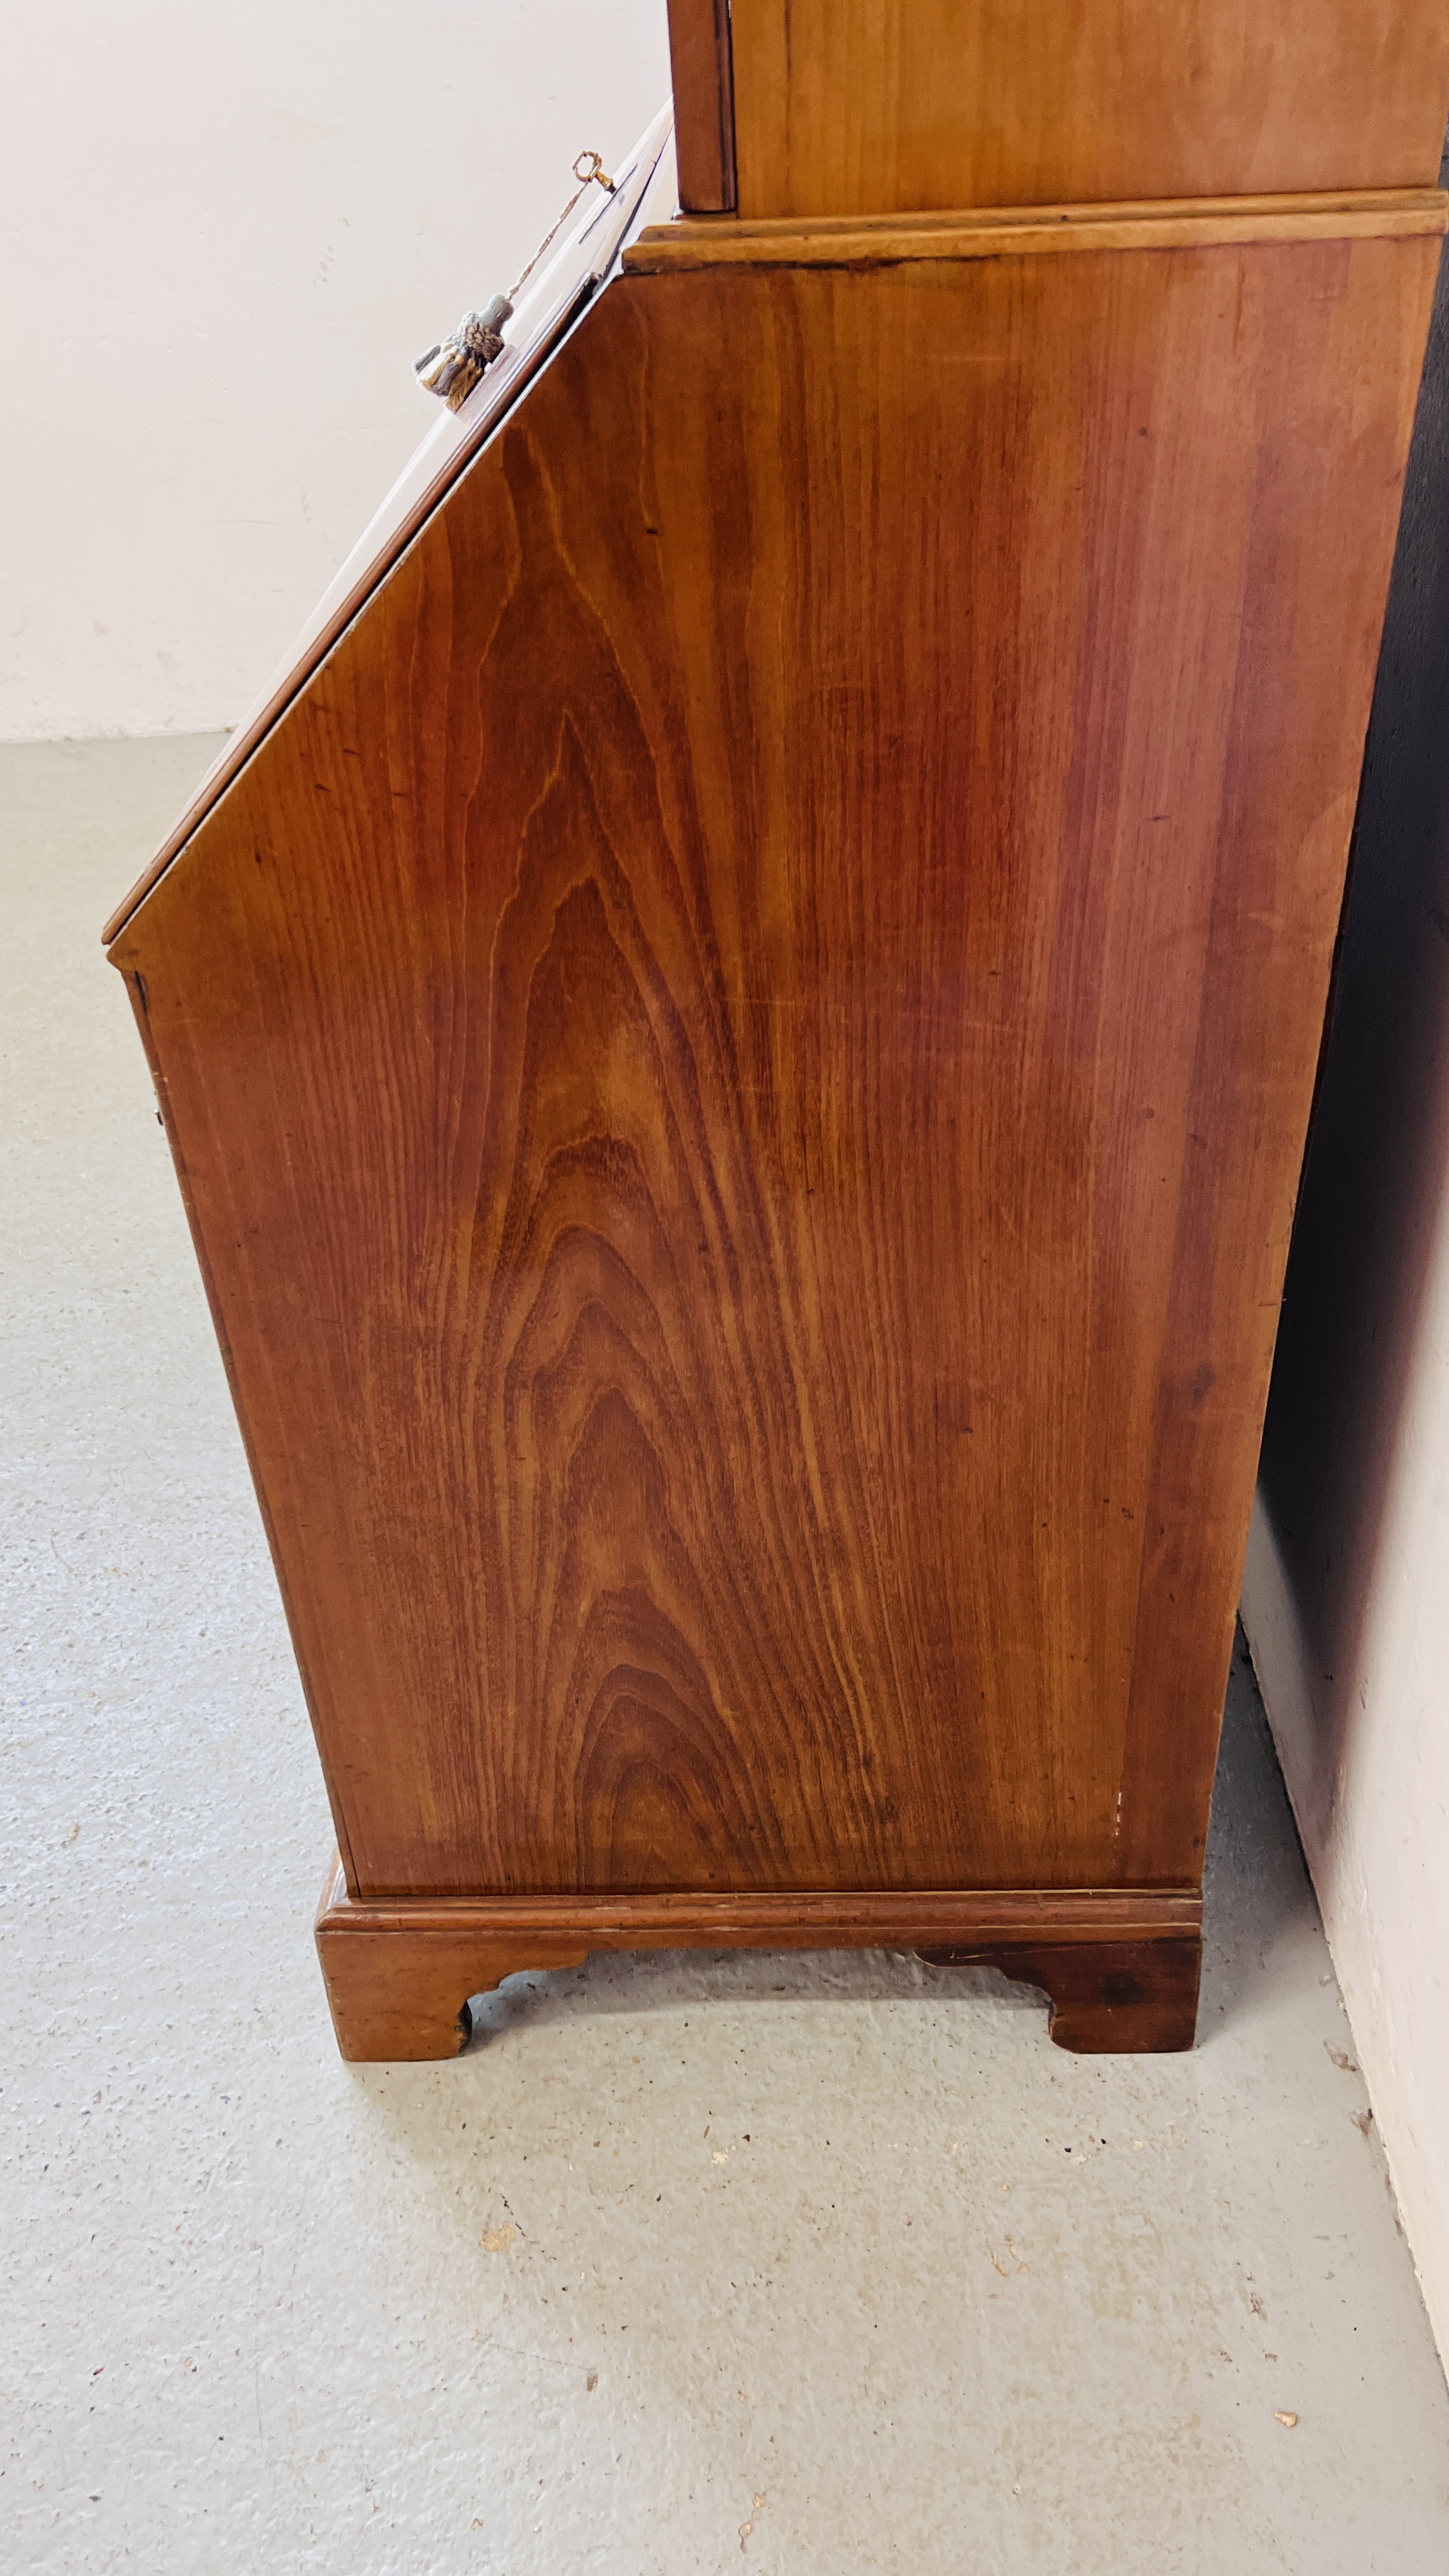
(893, 241)
(812, 1918)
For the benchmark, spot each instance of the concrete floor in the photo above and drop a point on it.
(834, 2265)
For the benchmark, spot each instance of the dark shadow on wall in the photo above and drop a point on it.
(1378, 1161)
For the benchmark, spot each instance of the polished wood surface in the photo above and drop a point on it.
(1120, 1966)
(739, 1060)
(878, 106)
(704, 108)
(1115, 1999)
(988, 232)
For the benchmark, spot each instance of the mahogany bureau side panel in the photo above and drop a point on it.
(740, 1055)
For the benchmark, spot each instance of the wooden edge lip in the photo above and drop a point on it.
(885, 241)
(843, 1918)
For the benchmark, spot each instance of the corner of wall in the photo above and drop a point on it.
(1392, 1986)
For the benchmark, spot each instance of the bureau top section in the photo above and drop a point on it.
(844, 107)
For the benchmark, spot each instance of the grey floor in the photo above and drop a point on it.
(834, 2265)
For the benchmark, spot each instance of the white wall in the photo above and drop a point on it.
(225, 233)
(1365, 1753)
(1346, 1594)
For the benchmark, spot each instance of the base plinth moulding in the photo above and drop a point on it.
(1119, 1965)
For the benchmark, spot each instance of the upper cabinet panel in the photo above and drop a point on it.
(878, 106)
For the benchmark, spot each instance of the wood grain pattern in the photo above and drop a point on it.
(782, 1919)
(1121, 1967)
(889, 241)
(878, 106)
(704, 107)
(740, 1058)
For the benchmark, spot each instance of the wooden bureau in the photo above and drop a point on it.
(738, 1031)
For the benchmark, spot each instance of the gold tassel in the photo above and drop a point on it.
(454, 366)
